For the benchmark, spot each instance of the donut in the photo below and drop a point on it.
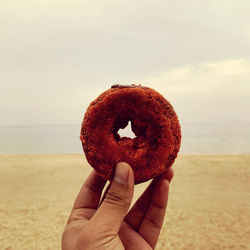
(153, 121)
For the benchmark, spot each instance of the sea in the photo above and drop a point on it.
(197, 138)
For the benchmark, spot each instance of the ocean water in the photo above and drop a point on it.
(197, 138)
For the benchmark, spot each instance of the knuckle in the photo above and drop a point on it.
(116, 197)
(154, 223)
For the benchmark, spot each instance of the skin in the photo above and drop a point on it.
(104, 222)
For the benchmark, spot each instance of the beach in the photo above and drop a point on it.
(208, 208)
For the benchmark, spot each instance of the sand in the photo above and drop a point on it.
(209, 206)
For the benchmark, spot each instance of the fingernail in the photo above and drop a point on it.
(121, 173)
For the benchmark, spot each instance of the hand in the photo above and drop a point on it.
(107, 225)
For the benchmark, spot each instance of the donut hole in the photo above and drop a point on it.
(126, 132)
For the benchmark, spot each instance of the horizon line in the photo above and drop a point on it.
(79, 124)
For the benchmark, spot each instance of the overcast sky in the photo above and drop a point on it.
(57, 56)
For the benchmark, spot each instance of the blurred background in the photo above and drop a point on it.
(57, 56)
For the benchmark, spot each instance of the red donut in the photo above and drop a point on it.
(153, 121)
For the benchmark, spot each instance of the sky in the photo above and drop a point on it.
(58, 56)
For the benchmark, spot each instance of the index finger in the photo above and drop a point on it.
(152, 222)
(139, 209)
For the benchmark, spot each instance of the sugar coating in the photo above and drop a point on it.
(153, 121)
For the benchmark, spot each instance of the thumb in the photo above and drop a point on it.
(117, 201)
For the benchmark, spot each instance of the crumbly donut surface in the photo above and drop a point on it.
(153, 121)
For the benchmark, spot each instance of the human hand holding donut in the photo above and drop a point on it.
(96, 223)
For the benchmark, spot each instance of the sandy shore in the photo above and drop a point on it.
(209, 206)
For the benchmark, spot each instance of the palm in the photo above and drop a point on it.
(139, 230)
(127, 237)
